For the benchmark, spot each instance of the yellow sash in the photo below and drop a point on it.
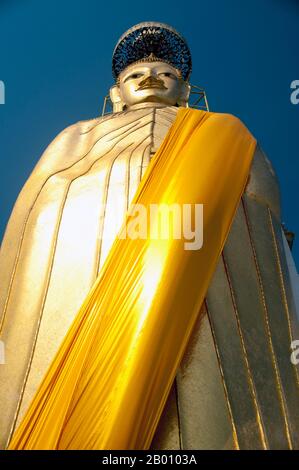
(107, 385)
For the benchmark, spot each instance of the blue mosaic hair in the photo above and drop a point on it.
(159, 39)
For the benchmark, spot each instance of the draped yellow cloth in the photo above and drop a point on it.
(107, 385)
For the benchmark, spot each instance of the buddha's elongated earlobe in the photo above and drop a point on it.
(118, 104)
(185, 93)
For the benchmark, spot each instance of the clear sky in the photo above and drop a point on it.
(55, 61)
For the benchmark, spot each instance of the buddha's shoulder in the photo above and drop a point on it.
(84, 126)
(113, 121)
(220, 117)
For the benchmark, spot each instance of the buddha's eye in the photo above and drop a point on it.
(135, 75)
(167, 74)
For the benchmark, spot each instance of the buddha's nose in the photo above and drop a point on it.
(151, 79)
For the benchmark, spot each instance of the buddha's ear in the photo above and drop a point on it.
(185, 93)
(118, 104)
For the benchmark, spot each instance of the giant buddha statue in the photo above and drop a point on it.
(236, 387)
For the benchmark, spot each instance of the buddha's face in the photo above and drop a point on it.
(150, 82)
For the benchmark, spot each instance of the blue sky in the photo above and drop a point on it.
(55, 62)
